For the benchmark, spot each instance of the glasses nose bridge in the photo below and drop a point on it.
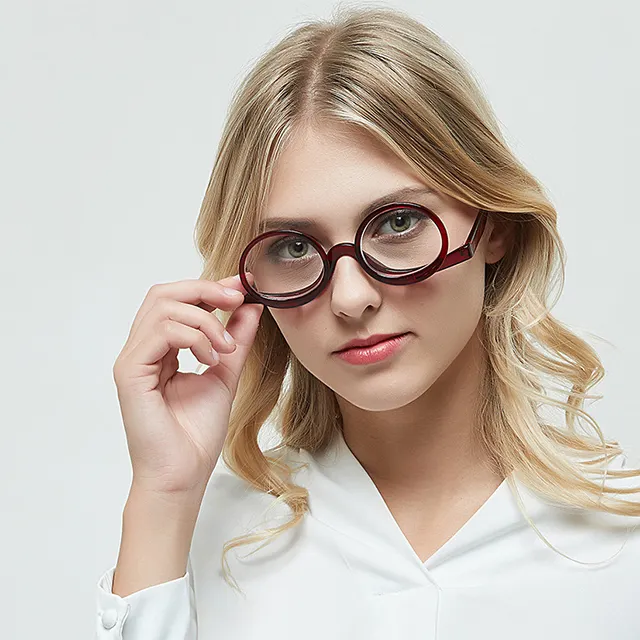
(338, 251)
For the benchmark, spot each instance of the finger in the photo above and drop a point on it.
(233, 282)
(170, 335)
(188, 291)
(242, 325)
(191, 316)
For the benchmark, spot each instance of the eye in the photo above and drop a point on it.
(399, 223)
(293, 248)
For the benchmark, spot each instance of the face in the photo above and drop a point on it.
(331, 175)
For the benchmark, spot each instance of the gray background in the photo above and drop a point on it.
(111, 113)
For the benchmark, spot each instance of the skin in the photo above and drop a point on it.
(408, 419)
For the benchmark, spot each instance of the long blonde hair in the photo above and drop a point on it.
(381, 70)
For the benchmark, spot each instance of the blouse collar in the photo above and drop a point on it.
(343, 497)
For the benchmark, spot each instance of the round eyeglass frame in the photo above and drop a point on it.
(354, 250)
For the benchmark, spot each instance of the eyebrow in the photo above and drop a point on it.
(307, 223)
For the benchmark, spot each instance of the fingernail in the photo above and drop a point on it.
(231, 292)
(228, 337)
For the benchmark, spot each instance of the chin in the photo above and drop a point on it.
(385, 394)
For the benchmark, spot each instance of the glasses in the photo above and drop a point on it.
(287, 268)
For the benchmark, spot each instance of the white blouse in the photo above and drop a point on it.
(347, 570)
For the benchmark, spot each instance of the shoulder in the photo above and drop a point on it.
(608, 539)
(231, 506)
(630, 524)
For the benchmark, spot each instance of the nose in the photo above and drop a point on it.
(351, 288)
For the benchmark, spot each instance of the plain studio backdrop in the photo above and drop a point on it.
(111, 115)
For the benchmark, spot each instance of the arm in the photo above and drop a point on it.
(150, 593)
(157, 531)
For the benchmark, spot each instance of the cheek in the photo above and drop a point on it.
(446, 308)
(299, 330)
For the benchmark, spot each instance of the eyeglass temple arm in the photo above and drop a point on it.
(467, 250)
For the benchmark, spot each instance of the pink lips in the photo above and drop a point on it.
(374, 353)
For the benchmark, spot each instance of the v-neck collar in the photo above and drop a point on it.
(343, 496)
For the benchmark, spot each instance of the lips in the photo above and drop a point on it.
(369, 342)
(374, 353)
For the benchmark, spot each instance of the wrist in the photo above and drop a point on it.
(157, 531)
(176, 506)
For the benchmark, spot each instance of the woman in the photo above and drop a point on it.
(418, 490)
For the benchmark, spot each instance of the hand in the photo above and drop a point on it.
(175, 422)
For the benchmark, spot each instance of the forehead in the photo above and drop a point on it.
(330, 173)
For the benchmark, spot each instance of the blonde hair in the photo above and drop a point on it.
(386, 73)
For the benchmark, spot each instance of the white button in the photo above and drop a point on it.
(109, 618)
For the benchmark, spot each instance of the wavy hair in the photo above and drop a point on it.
(381, 70)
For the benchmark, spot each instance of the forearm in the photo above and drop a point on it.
(156, 538)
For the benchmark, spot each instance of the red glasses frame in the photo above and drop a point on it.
(354, 250)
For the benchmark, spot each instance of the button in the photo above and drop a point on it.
(109, 618)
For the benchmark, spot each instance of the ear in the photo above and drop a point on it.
(501, 234)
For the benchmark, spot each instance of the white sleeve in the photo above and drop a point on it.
(165, 611)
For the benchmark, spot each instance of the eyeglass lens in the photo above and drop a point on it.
(290, 264)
